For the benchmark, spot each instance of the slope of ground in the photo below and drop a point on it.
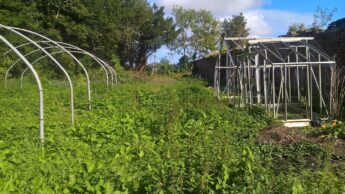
(144, 137)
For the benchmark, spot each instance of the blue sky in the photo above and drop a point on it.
(266, 18)
(307, 5)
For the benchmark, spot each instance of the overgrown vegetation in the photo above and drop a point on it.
(147, 137)
(151, 134)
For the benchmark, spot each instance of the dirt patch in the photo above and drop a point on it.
(164, 81)
(286, 136)
(336, 146)
(280, 135)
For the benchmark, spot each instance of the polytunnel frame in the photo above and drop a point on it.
(255, 64)
(47, 54)
(99, 61)
(71, 55)
(39, 85)
(44, 56)
(49, 47)
(53, 59)
(53, 53)
(111, 69)
(70, 46)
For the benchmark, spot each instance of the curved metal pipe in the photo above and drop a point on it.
(112, 71)
(111, 68)
(18, 60)
(48, 47)
(21, 77)
(61, 47)
(54, 60)
(42, 57)
(98, 60)
(39, 85)
(104, 66)
(9, 50)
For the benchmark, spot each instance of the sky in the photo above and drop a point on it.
(265, 18)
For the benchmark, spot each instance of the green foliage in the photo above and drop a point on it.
(334, 129)
(131, 29)
(149, 138)
(198, 32)
(337, 25)
(297, 187)
(333, 41)
(259, 114)
(235, 26)
(164, 67)
(296, 29)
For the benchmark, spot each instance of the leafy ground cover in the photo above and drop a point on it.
(152, 137)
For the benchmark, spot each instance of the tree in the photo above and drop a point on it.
(131, 30)
(184, 64)
(322, 17)
(154, 32)
(235, 27)
(296, 29)
(206, 33)
(198, 32)
(338, 25)
(337, 90)
(183, 20)
(17, 13)
(332, 42)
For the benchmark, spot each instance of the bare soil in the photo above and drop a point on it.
(280, 135)
(286, 136)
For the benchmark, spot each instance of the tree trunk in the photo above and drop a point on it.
(142, 63)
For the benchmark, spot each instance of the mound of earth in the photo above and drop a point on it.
(286, 136)
(280, 135)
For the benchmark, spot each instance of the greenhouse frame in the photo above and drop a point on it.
(289, 76)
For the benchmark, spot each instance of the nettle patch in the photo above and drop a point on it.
(144, 138)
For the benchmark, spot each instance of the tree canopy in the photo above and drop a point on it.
(130, 30)
(322, 17)
(198, 32)
(235, 26)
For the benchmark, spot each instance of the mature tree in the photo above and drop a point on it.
(17, 13)
(235, 27)
(198, 32)
(205, 36)
(333, 42)
(130, 30)
(338, 25)
(153, 32)
(183, 20)
(322, 17)
(104, 21)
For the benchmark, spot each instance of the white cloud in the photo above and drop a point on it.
(257, 24)
(217, 7)
(262, 22)
(274, 22)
